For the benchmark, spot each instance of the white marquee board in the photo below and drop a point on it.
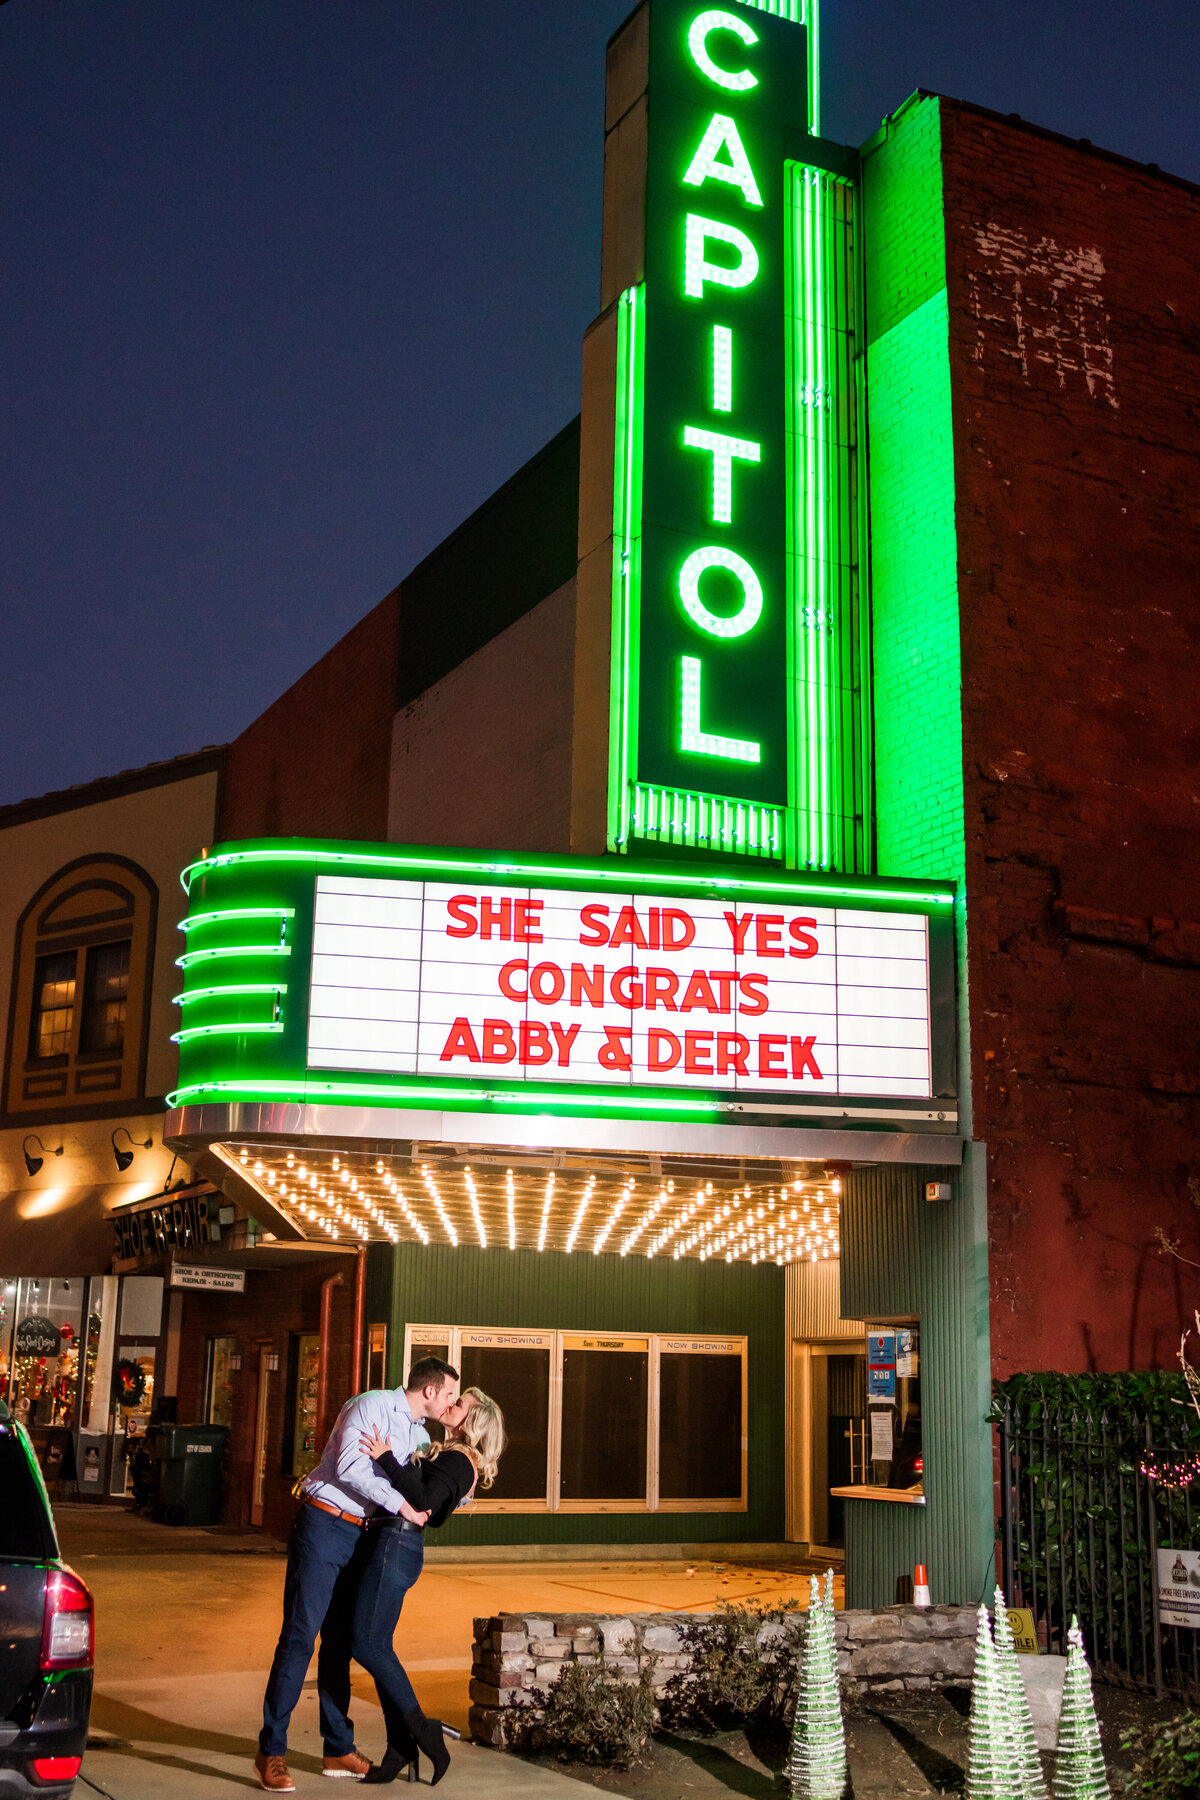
(430, 978)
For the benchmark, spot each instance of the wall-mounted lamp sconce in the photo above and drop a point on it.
(34, 1163)
(125, 1157)
(273, 1363)
(235, 1361)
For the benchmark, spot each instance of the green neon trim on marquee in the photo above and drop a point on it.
(432, 865)
(225, 1056)
(233, 1027)
(771, 717)
(237, 912)
(235, 987)
(190, 957)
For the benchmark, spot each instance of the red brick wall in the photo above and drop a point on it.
(276, 1303)
(1074, 288)
(315, 764)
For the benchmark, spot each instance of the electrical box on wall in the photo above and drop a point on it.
(938, 1190)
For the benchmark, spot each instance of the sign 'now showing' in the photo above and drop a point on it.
(434, 978)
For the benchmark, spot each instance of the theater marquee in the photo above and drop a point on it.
(439, 978)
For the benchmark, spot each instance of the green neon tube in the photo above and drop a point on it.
(538, 1100)
(195, 956)
(237, 987)
(198, 1031)
(195, 920)
(619, 877)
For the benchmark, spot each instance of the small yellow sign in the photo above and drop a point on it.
(1024, 1635)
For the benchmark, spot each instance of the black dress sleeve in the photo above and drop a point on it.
(433, 1484)
(404, 1477)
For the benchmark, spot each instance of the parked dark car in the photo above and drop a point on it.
(46, 1635)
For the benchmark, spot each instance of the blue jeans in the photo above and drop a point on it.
(393, 1563)
(325, 1558)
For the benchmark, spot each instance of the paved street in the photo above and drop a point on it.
(186, 1623)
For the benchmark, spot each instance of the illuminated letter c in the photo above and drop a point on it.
(736, 80)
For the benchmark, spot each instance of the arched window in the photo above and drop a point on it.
(80, 1014)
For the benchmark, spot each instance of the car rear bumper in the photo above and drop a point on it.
(15, 1786)
(58, 1728)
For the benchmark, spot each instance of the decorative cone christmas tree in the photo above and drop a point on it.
(1078, 1759)
(817, 1767)
(1025, 1751)
(992, 1771)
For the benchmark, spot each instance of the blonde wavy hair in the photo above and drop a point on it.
(482, 1436)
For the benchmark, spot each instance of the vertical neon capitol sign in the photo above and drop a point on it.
(735, 721)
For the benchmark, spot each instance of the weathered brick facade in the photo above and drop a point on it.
(1074, 288)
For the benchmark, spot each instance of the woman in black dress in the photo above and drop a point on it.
(436, 1481)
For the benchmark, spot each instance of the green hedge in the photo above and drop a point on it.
(1127, 1400)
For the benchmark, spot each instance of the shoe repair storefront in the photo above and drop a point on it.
(603, 1130)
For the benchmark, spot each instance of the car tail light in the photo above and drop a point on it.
(67, 1635)
(56, 1768)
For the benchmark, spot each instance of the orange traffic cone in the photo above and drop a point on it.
(920, 1586)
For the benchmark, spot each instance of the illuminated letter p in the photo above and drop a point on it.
(697, 270)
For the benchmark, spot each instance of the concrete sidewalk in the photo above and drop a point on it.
(193, 1737)
(185, 1633)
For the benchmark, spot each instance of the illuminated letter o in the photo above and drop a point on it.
(738, 623)
(736, 80)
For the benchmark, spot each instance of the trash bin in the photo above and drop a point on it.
(190, 1459)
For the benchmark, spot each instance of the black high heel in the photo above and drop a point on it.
(394, 1763)
(428, 1736)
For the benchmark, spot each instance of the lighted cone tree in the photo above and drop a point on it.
(1078, 1759)
(1025, 1750)
(817, 1767)
(992, 1771)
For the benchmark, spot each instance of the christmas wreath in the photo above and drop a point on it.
(129, 1382)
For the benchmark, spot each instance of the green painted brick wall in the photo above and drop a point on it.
(916, 666)
(437, 1284)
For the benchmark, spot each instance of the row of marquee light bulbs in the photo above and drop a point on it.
(736, 1224)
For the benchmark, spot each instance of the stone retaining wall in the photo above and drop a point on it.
(518, 1656)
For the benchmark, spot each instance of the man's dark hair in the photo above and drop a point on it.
(430, 1371)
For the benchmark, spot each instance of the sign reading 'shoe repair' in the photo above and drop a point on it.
(441, 979)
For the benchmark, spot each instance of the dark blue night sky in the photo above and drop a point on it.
(291, 285)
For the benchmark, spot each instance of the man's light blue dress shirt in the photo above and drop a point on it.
(345, 1476)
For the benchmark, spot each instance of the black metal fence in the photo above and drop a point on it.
(1080, 1522)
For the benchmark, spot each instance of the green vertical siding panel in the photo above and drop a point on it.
(916, 651)
(439, 1285)
(902, 1254)
(914, 575)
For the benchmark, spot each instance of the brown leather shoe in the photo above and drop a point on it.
(273, 1774)
(351, 1767)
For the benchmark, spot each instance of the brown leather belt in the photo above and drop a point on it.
(336, 1511)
